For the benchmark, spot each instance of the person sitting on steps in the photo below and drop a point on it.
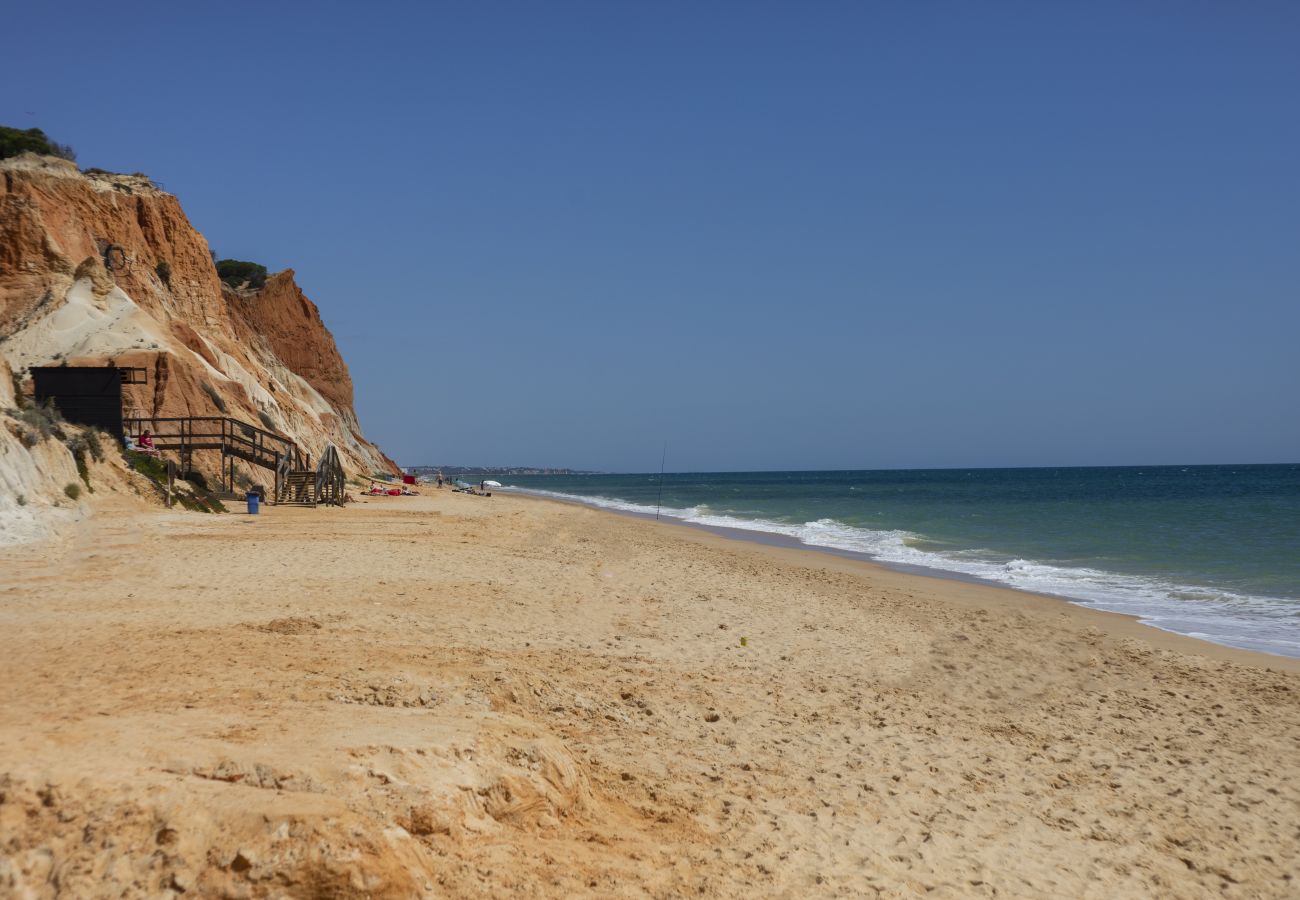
(144, 444)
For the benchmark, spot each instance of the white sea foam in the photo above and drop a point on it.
(613, 503)
(1269, 624)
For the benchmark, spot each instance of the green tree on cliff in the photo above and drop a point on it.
(237, 272)
(14, 141)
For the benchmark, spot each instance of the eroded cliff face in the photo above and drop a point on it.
(288, 327)
(264, 357)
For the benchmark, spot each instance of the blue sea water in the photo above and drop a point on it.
(1207, 551)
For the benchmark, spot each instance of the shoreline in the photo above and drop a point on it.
(786, 542)
(1119, 623)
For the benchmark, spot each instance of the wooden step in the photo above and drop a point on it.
(298, 488)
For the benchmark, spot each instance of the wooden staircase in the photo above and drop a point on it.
(296, 483)
(297, 488)
(304, 487)
(234, 439)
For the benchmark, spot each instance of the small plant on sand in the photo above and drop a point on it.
(191, 491)
(151, 467)
(744, 642)
(164, 272)
(22, 499)
(267, 421)
(188, 502)
(72, 489)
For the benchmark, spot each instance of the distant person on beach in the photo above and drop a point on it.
(146, 441)
(440, 479)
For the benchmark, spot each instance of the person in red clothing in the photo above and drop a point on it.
(146, 442)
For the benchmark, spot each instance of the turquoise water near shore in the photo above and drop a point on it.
(1207, 551)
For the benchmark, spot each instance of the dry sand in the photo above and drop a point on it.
(462, 696)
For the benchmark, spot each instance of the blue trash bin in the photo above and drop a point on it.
(252, 503)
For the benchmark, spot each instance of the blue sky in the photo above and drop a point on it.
(776, 235)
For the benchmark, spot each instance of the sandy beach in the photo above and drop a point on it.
(459, 696)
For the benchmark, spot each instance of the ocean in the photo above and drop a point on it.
(1207, 551)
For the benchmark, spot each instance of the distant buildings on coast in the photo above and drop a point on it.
(491, 470)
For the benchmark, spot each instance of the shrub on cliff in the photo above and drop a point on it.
(80, 447)
(238, 273)
(14, 141)
(39, 422)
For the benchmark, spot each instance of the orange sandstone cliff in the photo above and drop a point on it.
(98, 268)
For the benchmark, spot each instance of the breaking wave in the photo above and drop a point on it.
(1267, 624)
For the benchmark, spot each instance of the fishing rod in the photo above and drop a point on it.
(659, 504)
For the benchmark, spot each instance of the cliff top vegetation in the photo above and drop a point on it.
(14, 141)
(241, 274)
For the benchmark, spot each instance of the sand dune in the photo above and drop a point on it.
(460, 696)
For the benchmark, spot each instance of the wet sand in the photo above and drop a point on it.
(461, 696)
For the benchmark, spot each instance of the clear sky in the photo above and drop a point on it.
(776, 235)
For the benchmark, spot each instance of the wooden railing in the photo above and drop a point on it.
(234, 438)
(231, 436)
(330, 482)
(295, 482)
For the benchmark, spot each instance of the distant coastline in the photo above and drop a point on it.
(494, 470)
